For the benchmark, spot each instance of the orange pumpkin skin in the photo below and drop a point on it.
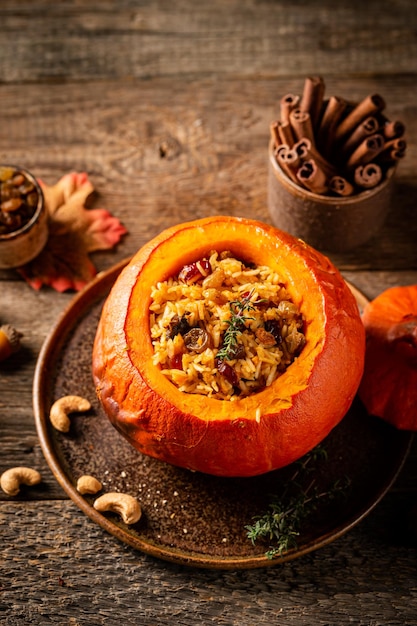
(251, 435)
(389, 385)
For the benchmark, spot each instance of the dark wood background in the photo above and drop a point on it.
(167, 107)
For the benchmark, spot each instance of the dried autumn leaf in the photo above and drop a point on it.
(74, 232)
(389, 384)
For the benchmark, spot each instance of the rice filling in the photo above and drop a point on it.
(223, 328)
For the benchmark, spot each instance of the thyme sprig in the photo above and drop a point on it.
(281, 524)
(236, 325)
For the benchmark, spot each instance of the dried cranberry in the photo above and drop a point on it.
(191, 273)
(206, 267)
(228, 372)
(175, 362)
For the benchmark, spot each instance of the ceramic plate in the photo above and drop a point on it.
(192, 518)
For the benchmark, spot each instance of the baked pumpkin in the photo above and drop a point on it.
(247, 434)
(389, 385)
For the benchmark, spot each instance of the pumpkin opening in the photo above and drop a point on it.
(224, 328)
(258, 245)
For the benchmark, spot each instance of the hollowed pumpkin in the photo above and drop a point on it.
(389, 386)
(254, 434)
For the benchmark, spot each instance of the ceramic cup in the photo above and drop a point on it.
(327, 223)
(24, 244)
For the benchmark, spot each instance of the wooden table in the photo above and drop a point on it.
(167, 107)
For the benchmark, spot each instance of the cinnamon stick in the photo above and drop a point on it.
(288, 160)
(341, 186)
(366, 151)
(393, 130)
(287, 104)
(368, 127)
(306, 150)
(286, 133)
(301, 124)
(312, 98)
(274, 132)
(332, 114)
(368, 176)
(312, 177)
(369, 106)
(393, 150)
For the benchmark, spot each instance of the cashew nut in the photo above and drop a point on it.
(88, 484)
(127, 506)
(62, 407)
(12, 478)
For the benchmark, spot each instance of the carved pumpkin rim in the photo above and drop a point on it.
(297, 374)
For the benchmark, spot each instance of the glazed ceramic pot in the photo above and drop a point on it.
(328, 223)
(22, 244)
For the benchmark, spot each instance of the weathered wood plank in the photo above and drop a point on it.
(163, 151)
(130, 39)
(57, 567)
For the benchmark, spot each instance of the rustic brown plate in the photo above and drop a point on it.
(192, 518)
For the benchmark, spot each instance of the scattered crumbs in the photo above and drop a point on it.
(172, 516)
(164, 501)
(185, 531)
(123, 474)
(176, 493)
(157, 491)
(155, 505)
(224, 540)
(106, 472)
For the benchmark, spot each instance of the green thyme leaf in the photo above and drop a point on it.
(282, 522)
(236, 325)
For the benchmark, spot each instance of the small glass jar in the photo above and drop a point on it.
(327, 223)
(24, 226)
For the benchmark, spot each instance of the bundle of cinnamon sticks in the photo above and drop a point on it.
(332, 147)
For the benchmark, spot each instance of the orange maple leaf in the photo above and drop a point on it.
(74, 232)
